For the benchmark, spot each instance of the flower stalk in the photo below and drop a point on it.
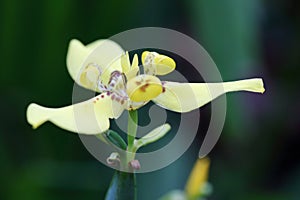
(122, 186)
(123, 183)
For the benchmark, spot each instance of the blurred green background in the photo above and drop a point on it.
(257, 156)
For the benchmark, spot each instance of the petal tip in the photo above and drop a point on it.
(261, 88)
(35, 115)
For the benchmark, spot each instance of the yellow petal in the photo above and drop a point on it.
(89, 117)
(133, 69)
(125, 62)
(79, 57)
(163, 64)
(198, 177)
(133, 72)
(184, 97)
(143, 88)
(135, 61)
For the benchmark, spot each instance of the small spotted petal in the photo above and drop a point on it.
(184, 97)
(162, 64)
(89, 117)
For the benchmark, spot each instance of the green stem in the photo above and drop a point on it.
(122, 187)
(123, 184)
(132, 128)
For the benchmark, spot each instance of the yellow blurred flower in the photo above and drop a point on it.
(198, 178)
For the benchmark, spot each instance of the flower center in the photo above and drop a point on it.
(143, 88)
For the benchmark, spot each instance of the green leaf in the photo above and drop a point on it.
(153, 136)
(114, 138)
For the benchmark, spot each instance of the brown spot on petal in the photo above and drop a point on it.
(144, 87)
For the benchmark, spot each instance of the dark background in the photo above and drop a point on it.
(257, 156)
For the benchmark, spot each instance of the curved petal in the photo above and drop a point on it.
(157, 64)
(184, 97)
(102, 56)
(143, 88)
(89, 117)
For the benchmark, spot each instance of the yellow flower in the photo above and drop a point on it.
(197, 179)
(122, 86)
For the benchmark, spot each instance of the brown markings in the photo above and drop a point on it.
(144, 87)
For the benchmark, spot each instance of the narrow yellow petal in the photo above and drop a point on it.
(89, 117)
(133, 72)
(125, 62)
(184, 97)
(198, 177)
(163, 64)
(135, 61)
(79, 57)
(143, 88)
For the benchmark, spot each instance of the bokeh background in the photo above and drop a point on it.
(257, 156)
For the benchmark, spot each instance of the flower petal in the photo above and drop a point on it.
(125, 62)
(198, 177)
(143, 88)
(81, 59)
(162, 64)
(89, 117)
(135, 61)
(184, 97)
